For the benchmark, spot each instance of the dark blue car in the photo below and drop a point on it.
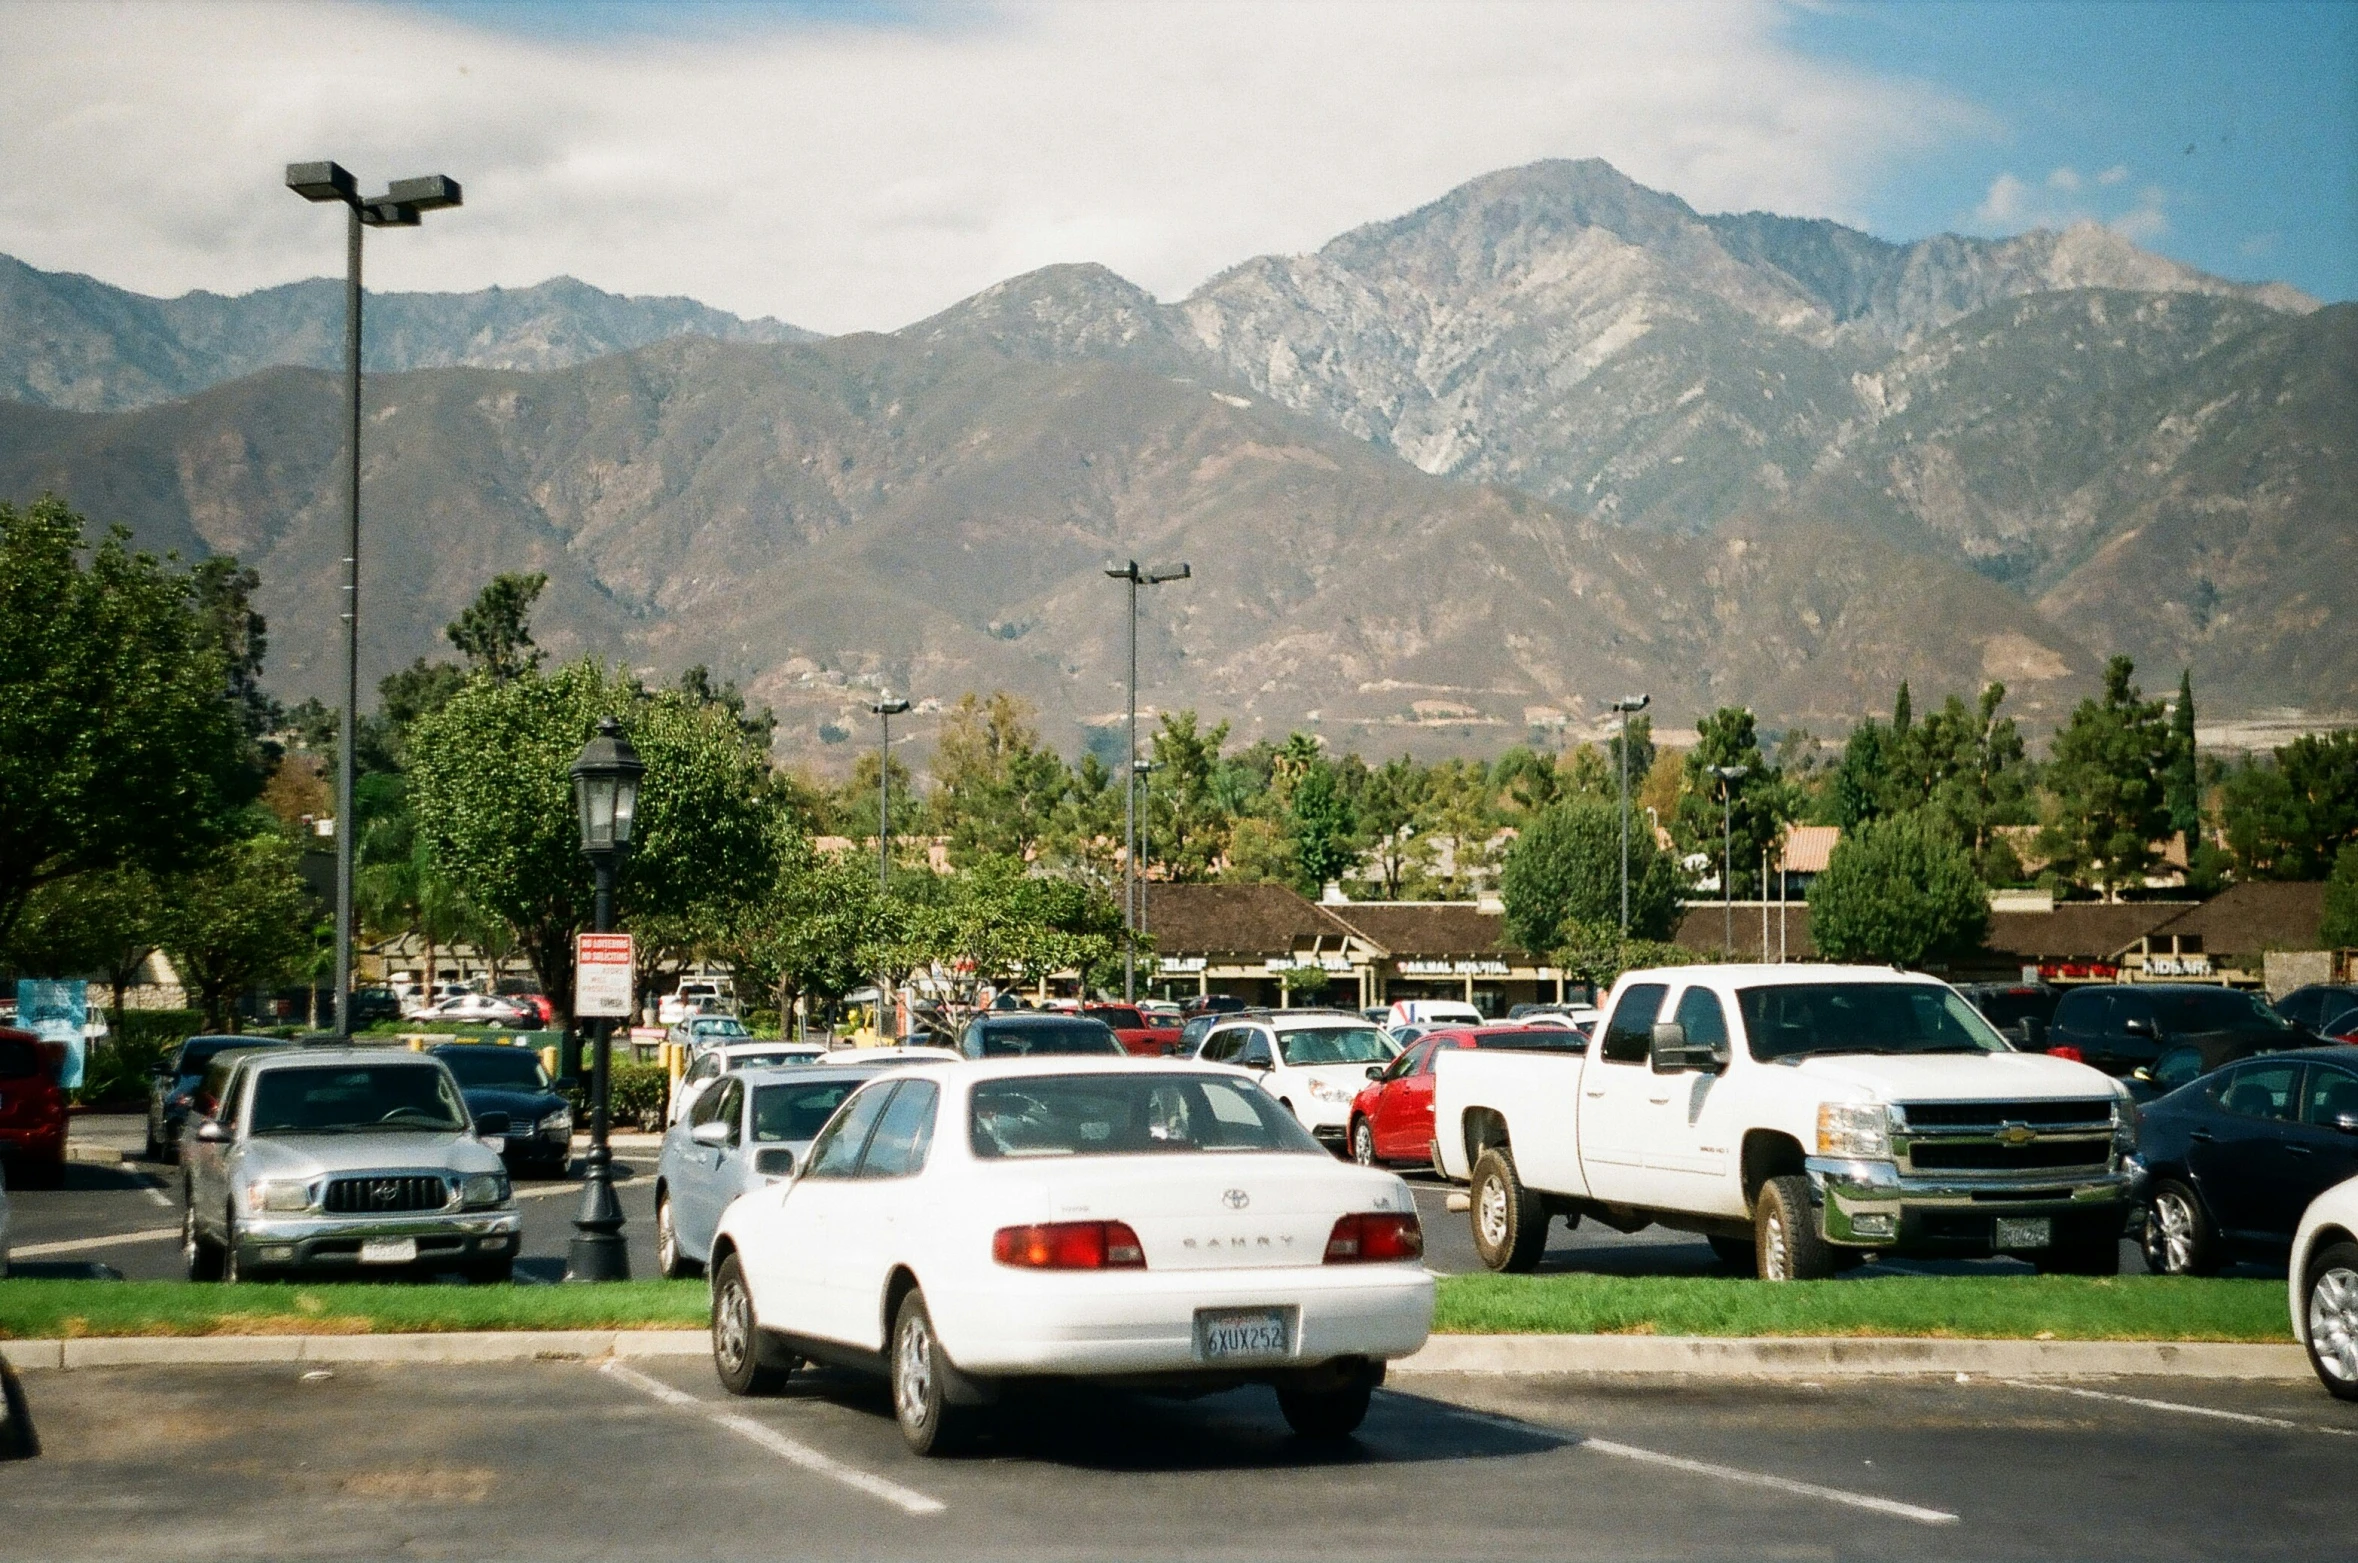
(2233, 1159)
(175, 1081)
(495, 1078)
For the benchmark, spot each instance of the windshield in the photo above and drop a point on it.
(199, 1052)
(2219, 1009)
(1017, 1039)
(2011, 1006)
(796, 1113)
(1335, 1045)
(1808, 1019)
(723, 1027)
(496, 1068)
(1129, 1115)
(346, 1098)
(759, 1060)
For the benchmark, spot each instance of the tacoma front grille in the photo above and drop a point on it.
(385, 1195)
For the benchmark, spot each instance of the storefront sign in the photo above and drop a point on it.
(1453, 968)
(1171, 964)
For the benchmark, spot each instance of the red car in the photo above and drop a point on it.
(32, 1110)
(1392, 1120)
(1135, 1030)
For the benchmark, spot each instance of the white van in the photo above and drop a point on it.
(1434, 1012)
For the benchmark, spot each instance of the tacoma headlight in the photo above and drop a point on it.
(1860, 1131)
(558, 1122)
(278, 1195)
(484, 1188)
(1331, 1093)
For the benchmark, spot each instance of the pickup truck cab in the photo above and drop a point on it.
(1802, 1118)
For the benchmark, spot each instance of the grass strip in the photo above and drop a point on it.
(42, 1309)
(1978, 1307)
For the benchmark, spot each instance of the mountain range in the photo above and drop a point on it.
(1452, 479)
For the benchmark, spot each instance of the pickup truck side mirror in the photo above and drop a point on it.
(2034, 1034)
(1671, 1053)
(1256, 1063)
(2137, 1027)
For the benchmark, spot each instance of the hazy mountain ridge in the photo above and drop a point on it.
(68, 340)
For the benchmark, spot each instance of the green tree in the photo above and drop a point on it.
(492, 790)
(1393, 809)
(495, 630)
(1187, 822)
(1642, 753)
(118, 744)
(2107, 781)
(1323, 827)
(2339, 930)
(239, 919)
(2184, 786)
(1899, 890)
(2289, 819)
(996, 789)
(1562, 880)
(1461, 817)
(101, 922)
(1757, 805)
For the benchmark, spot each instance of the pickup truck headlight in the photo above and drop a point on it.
(1324, 1092)
(278, 1195)
(1859, 1131)
(484, 1188)
(558, 1122)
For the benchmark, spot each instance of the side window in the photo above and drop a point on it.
(2302, 1007)
(231, 1094)
(2081, 1010)
(730, 1093)
(2332, 1093)
(2125, 1007)
(704, 1068)
(1706, 1022)
(971, 1042)
(1256, 1048)
(1629, 1037)
(707, 1107)
(904, 1134)
(2179, 1066)
(1409, 1062)
(1221, 1045)
(2260, 1091)
(836, 1152)
(207, 1102)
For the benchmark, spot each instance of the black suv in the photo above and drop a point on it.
(2122, 1027)
(175, 1081)
(2022, 1011)
(1027, 1034)
(2328, 1008)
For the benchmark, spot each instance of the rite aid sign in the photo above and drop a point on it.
(601, 976)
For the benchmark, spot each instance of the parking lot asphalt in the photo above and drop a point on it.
(579, 1459)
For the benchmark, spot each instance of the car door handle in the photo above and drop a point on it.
(1599, 1091)
(2297, 1150)
(2204, 1135)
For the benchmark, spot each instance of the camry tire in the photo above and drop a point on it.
(743, 1360)
(2178, 1235)
(1785, 1236)
(1326, 1416)
(921, 1382)
(1363, 1142)
(670, 1262)
(2330, 1315)
(1510, 1222)
(202, 1258)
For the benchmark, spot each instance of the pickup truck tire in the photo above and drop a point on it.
(1510, 1222)
(1739, 1254)
(1785, 1233)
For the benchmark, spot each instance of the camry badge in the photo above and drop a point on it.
(1236, 1199)
(2017, 1135)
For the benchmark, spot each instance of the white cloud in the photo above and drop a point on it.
(2012, 205)
(2113, 175)
(2063, 179)
(847, 176)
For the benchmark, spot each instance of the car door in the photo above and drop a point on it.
(869, 1214)
(2237, 1154)
(2318, 1152)
(202, 1161)
(1614, 1111)
(703, 1185)
(1690, 1138)
(1398, 1133)
(791, 1267)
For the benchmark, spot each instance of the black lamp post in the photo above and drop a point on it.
(399, 207)
(1728, 776)
(606, 795)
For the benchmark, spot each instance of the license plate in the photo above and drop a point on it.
(1223, 1335)
(389, 1251)
(2025, 1232)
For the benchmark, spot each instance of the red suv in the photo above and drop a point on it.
(1135, 1030)
(32, 1110)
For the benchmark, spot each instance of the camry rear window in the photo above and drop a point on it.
(1128, 1115)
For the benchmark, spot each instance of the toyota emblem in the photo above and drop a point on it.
(1236, 1199)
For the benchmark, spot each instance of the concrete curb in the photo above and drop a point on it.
(1798, 1357)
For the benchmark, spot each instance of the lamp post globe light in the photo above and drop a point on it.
(606, 797)
(1728, 776)
(1627, 705)
(1135, 575)
(401, 206)
(885, 708)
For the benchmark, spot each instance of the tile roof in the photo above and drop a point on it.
(1809, 847)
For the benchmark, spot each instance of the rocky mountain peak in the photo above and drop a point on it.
(1057, 314)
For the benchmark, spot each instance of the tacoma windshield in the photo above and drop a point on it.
(345, 1098)
(1810, 1019)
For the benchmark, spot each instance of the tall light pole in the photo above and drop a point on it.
(886, 708)
(1627, 705)
(1145, 770)
(606, 797)
(1728, 776)
(401, 206)
(1150, 575)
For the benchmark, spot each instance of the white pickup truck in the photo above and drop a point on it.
(1799, 1117)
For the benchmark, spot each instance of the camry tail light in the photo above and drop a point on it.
(2066, 1050)
(1069, 1245)
(1374, 1236)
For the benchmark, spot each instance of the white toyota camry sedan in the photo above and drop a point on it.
(968, 1227)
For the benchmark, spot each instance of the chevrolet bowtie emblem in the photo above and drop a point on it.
(2017, 1134)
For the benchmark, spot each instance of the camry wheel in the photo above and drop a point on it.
(920, 1373)
(2178, 1238)
(1363, 1142)
(2333, 1319)
(1326, 1415)
(738, 1351)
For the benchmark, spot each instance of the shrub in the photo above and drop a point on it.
(2340, 927)
(1564, 876)
(636, 1093)
(1898, 890)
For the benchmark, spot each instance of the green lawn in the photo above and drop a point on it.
(1981, 1306)
(2069, 1308)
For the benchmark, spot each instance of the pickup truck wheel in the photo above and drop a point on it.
(2178, 1236)
(1510, 1222)
(1786, 1235)
(1738, 1254)
(1363, 1142)
(2331, 1317)
(737, 1348)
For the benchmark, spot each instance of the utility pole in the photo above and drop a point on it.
(1135, 575)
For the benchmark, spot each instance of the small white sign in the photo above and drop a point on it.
(601, 975)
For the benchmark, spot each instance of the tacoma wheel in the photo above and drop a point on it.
(203, 1259)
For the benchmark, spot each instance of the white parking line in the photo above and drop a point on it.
(83, 1245)
(1725, 1473)
(154, 1190)
(905, 1499)
(2183, 1409)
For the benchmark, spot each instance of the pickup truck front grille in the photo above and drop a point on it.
(1987, 1116)
(1988, 1156)
(375, 1196)
(1998, 1139)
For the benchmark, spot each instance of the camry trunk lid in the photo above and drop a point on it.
(1227, 1212)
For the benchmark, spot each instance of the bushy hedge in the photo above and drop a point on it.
(637, 1093)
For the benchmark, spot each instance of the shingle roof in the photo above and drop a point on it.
(1257, 920)
(2247, 919)
(2076, 930)
(1412, 929)
(1701, 927)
